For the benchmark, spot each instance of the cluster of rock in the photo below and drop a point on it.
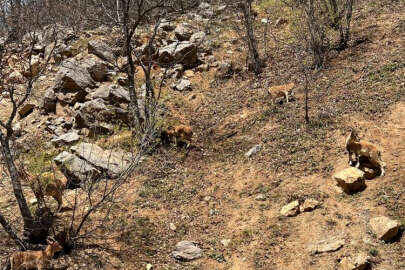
(295, 207)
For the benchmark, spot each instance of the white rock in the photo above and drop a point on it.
(309, 205)
(253, 150)
(187, 251)
(327, 245)
(225, 242)
(291, 209)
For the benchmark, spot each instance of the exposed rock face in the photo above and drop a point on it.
(75, 169)
(111, 162)
(181, 52)
(360, 262)
(327, 245)
(187, 251)
(385, 228)
(183, 32)
(102, 50)
(291, 209)
(351, 180)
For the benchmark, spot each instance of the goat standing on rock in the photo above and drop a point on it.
(364, 149)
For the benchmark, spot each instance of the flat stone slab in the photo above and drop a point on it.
(68, 138)
(385, 228)
(351, 180)
(327, 245)
(112, 162)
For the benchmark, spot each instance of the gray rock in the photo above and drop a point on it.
(97, 69)
(351, 180)
(327, 245)
(113, 94)
(183, 32)
(48, 103)
(102, 50)
(255, 149)
(112, 162)
(66, 139)
(291, 209)
(75, 169)
(385, 228)
(181, 53)
(182, 85)
(187, 251)
(204, 5)
(224, 69)
(198, 37)
(71, 82)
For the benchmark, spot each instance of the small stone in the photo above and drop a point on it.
(351, 180)
(309, 205)
(264, 20)
(384, 227)
(225, 242)
(253, 150)
(207, 198)
(182, 85)
(149, 266)
(361, 262)
(172, 227)
(33, 201)
(328, 245)
(260, 197)
(187, 251)
(291, 209)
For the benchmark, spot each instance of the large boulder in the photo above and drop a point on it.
(183, 32)
(351, 180)
(385, 228)
(113, 163)
(101, 49)
(187, 251)
(75, 169)
(179, 53)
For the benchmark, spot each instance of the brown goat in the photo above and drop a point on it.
(180, 133)
(361, 148)
(24, 260)
(280, 91)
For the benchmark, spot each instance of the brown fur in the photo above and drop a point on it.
(281, 91)
(180, 133)
(361, 148)
(47, 184)
(24, 260)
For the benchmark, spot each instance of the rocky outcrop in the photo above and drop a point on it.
(183, 32)
(97, 69)
(111, 93)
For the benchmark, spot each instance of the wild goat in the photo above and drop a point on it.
(361, 148)
(24, 260)
(47, 184)
(180, 133)
(280, 91)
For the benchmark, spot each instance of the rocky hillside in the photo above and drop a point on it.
(258, 188)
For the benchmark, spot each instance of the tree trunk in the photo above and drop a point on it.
(16, 183)
(251, 39)
(10, 231)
